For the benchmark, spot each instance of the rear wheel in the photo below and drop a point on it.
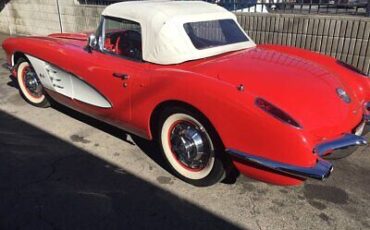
(29, 85)
(191, 147)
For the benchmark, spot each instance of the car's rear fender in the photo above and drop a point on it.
(235, 117)
(232, 112)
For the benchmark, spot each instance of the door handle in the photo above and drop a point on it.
(123, 76)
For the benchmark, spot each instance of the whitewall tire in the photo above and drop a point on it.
(189, 145)
(29, 85)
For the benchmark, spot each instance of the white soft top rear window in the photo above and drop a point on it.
(208, 34)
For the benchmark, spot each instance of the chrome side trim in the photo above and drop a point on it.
(348, 140)
(319, 171)
(55, 78)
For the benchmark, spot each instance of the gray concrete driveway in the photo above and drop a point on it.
(62, 170)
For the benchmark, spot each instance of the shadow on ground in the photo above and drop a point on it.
(46, 183)
(150, 148)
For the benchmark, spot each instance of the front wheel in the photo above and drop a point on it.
(191, 147)
(29, 85)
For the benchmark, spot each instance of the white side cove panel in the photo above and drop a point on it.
(39, 66)
(85, 93)
(55, 79)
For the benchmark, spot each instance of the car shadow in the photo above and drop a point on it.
(47, 183)
(149, 148)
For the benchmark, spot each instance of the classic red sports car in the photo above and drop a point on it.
(186, 75)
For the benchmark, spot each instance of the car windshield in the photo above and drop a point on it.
(207, 34)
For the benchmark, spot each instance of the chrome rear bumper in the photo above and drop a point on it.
(322, 168)
(319, 171)
(347, 142)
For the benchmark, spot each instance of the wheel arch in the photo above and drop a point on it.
(16, 56)
(177, 103)
(231, 172)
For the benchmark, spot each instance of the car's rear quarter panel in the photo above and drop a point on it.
(234, 116)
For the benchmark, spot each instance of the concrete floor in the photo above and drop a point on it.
(62, 170)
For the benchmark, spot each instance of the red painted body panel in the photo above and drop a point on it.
(300, 82)
(72, 36)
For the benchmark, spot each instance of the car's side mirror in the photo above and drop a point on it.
(91, 43)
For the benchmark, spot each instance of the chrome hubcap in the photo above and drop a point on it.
(32, 83)
(191, 145)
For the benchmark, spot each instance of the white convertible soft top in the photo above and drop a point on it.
(164, 39)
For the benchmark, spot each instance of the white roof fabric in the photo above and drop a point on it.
(164, 40)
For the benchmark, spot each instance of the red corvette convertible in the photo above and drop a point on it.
(186, 75)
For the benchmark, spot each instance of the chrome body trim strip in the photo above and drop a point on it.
(346, 141)
(320, 171)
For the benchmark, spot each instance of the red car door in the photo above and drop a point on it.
(110, 76)
(112, 69)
